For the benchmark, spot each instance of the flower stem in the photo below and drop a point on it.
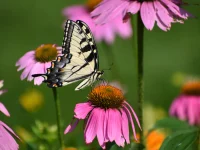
(138, 28)
(57, 105)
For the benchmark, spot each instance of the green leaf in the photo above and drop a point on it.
(171, 123)
(180, 140)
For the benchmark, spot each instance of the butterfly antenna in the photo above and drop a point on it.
(37, 75)
(109, 68)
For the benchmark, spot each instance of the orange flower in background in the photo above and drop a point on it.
(154, 140)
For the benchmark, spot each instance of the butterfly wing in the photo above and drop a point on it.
(79, 60)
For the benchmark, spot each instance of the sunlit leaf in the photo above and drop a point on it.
(180, 140)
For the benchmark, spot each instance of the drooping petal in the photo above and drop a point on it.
(4, 110)
(100, 130)
(163, 14)
(125, 126)
(134, 114)
(112, 124)
(72, 126)
(82, 109)
(175, 9)
(119, 139)
(91, 126)
(131, 120)
(148, 15)
(106, 126)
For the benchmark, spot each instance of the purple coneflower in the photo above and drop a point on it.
(164, 12)
(104, 32)
(106, 115)
(186, 105)
(37, 61)
(7, 142)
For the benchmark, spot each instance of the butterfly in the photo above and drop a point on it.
(79, 59)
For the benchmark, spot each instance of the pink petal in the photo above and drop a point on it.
(100, 130)
(26, 71)
(37, 68)
(108, 10)
(112, 124)
(82, 109)
(72, 126)
(106, 126)
(7, 142)
(91, 126)
(123, 29)
(25, 58)
(119, 138)
(9, 129)
(163, 14)
(4, 110)
(125, 127)
(191, 111)
(134, 7)
(134, 114)
(175, 9)
(131, 120)
(148, 16)
(180, 110)
(69, 11)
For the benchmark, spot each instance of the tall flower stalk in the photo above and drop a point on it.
(58, 115)
(138, 46)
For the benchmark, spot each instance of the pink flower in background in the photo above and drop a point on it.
(162, 12)
(107, 116)
(7, 142)
(105, 32)
(37, 61)
(186, 105)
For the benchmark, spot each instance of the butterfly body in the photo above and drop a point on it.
(79, 59)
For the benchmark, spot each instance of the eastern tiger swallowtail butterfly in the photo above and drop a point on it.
(79, 59)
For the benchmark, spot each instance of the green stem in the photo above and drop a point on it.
(109, 145)
(138, 28)
(57, 105)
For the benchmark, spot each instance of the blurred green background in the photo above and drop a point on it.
(27, 24)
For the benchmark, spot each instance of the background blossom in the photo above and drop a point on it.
(162, 12)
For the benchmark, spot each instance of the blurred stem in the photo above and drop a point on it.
(57, 105)
(138, 28)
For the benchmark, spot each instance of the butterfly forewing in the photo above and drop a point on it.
(79, 59)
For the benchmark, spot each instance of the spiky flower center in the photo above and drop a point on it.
(46, 53)
(106, 96)
(91, 4)
(191, 88)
